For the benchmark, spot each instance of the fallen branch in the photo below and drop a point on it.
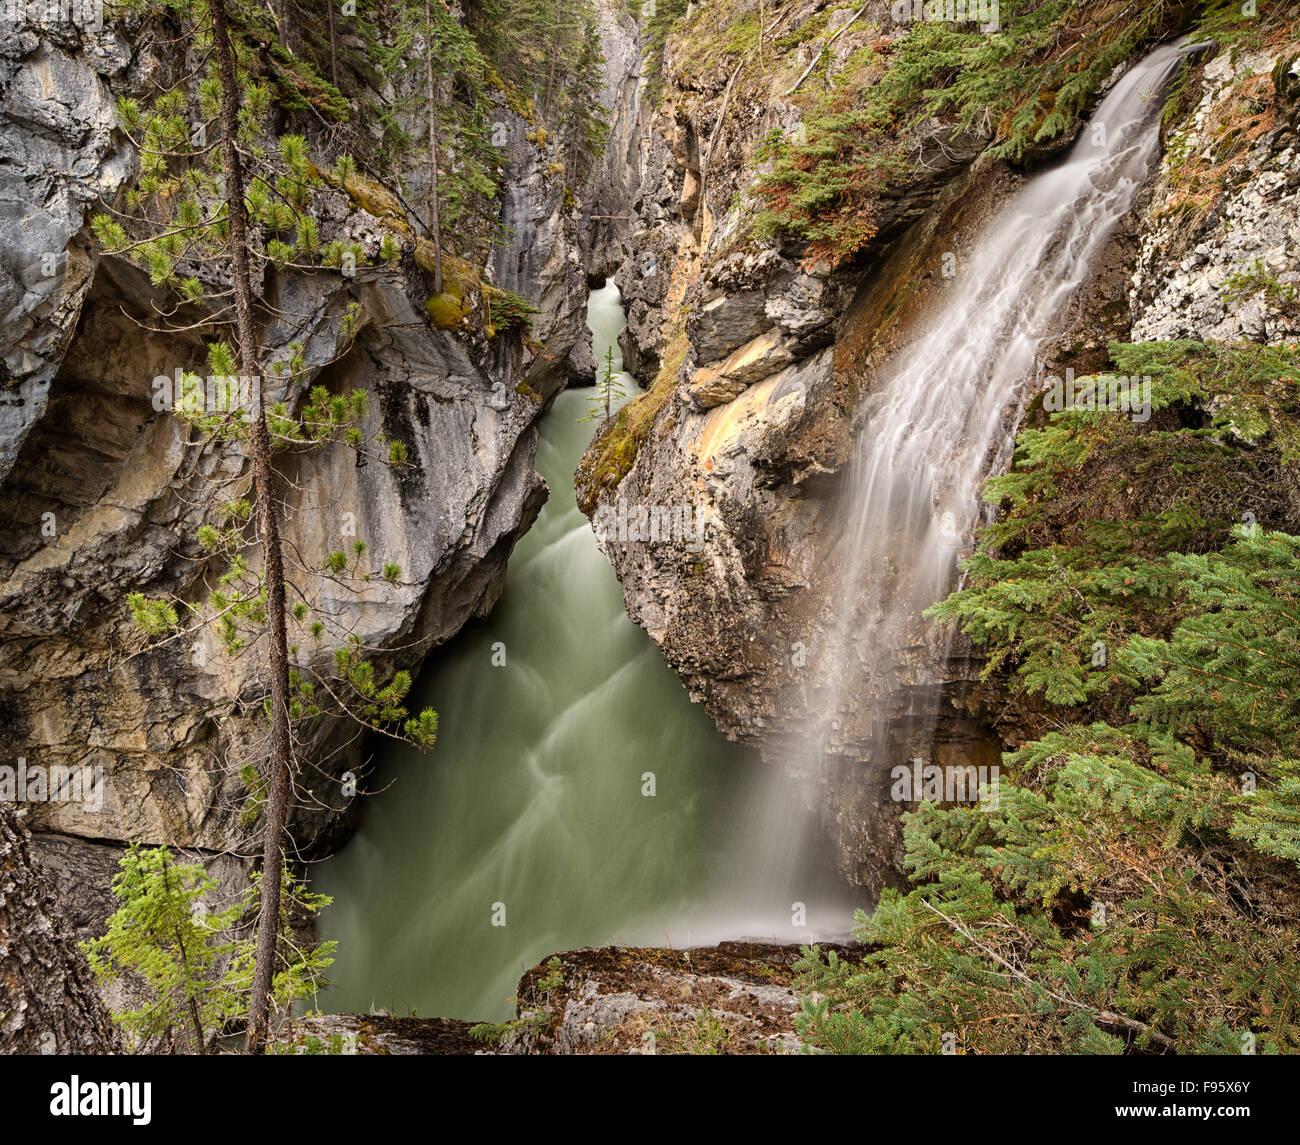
(824, 48)
(1106, 1017)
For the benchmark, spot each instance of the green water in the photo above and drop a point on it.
(533, 797)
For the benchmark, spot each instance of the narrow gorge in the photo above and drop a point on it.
(787, 511)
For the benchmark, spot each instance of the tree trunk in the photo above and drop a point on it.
(48, 1000)
(435, 226)
(334, 53)
(280, 758)
(555, 55)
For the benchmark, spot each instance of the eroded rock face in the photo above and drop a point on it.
(104, 493)
(539, 258)
(607, 216)
(773, 363)
(58, 153)
(1233, 275)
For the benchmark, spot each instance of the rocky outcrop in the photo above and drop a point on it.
(380, 1035)
(539, 258)
(1232, 273)
(766, 365)
(733, 998)
(104, 493)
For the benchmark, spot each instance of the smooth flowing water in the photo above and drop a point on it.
(943, 417)
(938, 423)
(533, 808)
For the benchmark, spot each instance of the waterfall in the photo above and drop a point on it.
(943, 417)
(574, 786)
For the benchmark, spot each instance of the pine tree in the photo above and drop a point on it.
(585, 121)
(548, 55)
(428, 53)
(230, 205)
(1086, 912)
(608, 391)
(166, 935)
(435, 227)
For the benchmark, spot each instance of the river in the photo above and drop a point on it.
(534, 809)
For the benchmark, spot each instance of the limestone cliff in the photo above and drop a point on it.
(760, 365)
(102, 493)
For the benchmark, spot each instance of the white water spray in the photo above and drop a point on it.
(943, 418)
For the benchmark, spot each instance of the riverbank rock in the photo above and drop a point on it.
(379, 1035)
(733, 998)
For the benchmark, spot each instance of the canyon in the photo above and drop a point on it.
(759, 366)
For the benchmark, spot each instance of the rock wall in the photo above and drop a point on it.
(765, 364)
(58, 153)
(102, 494)
(608, 220)
(1231, 274)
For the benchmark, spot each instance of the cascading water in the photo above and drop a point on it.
(534, 799)
(943, 417)
(556, 717)
(937, 424)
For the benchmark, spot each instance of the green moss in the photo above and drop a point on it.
(713, 35)
(374, 198)
(517, 102)
(445, 311)
(460, 279)
(613, 451)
